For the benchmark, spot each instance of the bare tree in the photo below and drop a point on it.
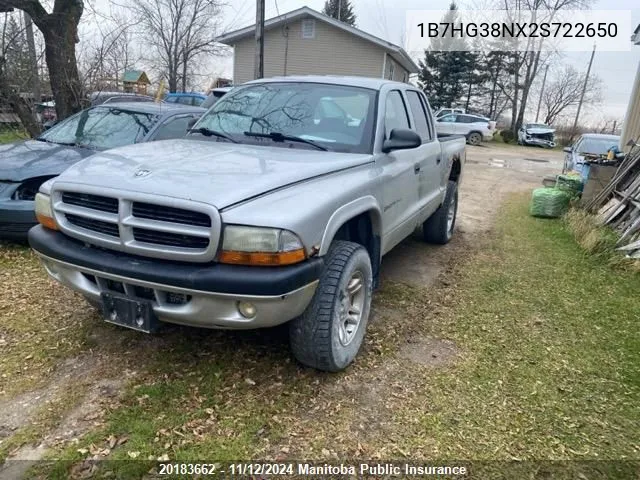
(178, 31)
(564, 91)
(108, 54)
(529, 58)
(16, 72)
(60, 31)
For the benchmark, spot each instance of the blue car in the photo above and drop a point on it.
(25, 165)
(191, 99)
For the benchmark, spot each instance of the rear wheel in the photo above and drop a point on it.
(329, 333)
(439, 227)
(474, 138)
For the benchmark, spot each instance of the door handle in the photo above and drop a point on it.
(438, 159)
(416, 168)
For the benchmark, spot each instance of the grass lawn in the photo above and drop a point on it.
(548, 368)
(7, 136)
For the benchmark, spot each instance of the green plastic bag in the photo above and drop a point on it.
(569, 182)
(549, 202)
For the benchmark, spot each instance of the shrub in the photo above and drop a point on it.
(507, 136)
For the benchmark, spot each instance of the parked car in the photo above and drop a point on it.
(266, 217)
(589, 145)
(25, 165)
(537, 134)
(474, 127)
(214, 95)
(98, 98)
(193, 99)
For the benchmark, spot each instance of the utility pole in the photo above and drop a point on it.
(340, 10)
(259, 61)
(544, 81)
(584, 89)
(33, 59)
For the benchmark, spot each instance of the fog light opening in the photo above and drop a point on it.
(247, 309)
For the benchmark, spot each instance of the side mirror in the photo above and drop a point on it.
(401, 139)
(567, 149)
(191, 123)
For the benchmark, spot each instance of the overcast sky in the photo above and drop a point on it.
(387, 19)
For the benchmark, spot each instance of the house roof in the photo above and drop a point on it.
(396, 52)
(135, 76)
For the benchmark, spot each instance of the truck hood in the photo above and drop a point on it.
(22, 160)
(217, 173)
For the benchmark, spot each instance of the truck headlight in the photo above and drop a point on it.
(44, 212)
(260, 246)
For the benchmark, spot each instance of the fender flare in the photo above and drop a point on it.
(346, 213)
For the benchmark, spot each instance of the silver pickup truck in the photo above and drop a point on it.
(278, 207)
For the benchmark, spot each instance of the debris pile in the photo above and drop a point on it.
(618, 204)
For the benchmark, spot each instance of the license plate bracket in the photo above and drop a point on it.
(129, 313)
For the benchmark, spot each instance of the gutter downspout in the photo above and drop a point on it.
(384, 64)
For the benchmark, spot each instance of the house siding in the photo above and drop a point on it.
(331, 52)
(400, 74)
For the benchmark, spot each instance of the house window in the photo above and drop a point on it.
(392, 69)
(308, 28)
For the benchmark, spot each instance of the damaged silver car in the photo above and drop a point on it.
(537, 134)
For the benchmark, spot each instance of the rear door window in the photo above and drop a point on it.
(420, 121)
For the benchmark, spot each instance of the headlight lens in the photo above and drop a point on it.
(44, 213)
(260, 246)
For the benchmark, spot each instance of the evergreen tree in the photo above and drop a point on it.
(448, 70)
(341, 10)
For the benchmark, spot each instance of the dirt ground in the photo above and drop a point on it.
(491, 173)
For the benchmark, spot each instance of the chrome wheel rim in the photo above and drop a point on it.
(352, 300)
(474, 139)
(451, 214)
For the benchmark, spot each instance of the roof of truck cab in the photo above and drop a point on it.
(349, 81)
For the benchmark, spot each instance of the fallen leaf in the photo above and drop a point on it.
(133, 454)
(163, 458)
(249, 381)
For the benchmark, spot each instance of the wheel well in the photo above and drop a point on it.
(360, 230)
(456, 169)
(474, 131)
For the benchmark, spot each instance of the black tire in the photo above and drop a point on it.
(474, 138)
(436, 229)
(315, 335)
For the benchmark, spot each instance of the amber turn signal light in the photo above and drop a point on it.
(262, 259)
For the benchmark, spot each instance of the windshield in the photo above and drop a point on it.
(539, 125)
(101, 128)
(598, 146)
(337, 117)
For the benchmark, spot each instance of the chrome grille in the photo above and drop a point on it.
(171, 239)
(107, 228)
(142, 224)
(170, 214)
(97, 202)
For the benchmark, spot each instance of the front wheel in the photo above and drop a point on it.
(328, 335)
(438, 228)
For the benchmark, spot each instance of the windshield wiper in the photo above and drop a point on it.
(281, 137)
(207, 132)
(66, 144)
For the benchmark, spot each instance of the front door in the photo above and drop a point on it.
(400, 204)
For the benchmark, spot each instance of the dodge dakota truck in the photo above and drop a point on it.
(277, 207)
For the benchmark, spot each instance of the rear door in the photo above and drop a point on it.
(400, 185)
(428, 156)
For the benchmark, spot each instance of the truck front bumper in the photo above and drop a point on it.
(200, 295)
